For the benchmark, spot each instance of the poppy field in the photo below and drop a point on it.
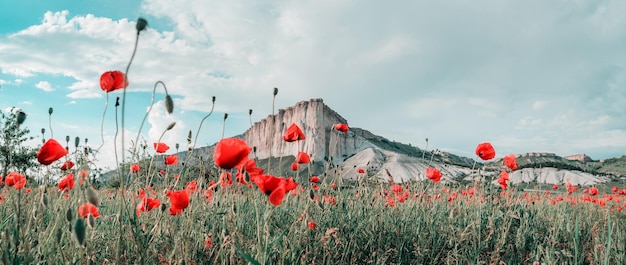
(232, 209)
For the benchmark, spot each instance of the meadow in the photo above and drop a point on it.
(231, 210)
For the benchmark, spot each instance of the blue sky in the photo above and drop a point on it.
(528, 76)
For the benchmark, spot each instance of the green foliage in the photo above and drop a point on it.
(14, 156)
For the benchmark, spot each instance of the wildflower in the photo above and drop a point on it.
(231, 152)
(112, 80)
(179, 200)
(295, 166)
(67, 165)
(314, 179)
(555, 187)
(17, 180)
(66, 183)
(134, 168)
(311, 225)
(171, 160)
(208, 242)
(509, 161)
(333, 185)
(342, 127)
(433, 174)
(274, 187)
(86, 209)
(50, 151)
(360, 170)
(192, 186)
(161, 147)
(293, 133)
(504, 177)
(485, 151)
(226, 178)
(615, 189)
(593, 191)
(147, 204)
(303, 158)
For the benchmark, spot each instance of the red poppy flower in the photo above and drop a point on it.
(179, 200)
(112, 80)
(615, 189)
(50, 151)
(360, 170)
(147, 204)
(250, 167)
(17, 180)
(192, 186)
(66, 183)
(342, 127)
(230, 152)
(504, 177)
(555, 187)
(275, 187)
(295, 166)
(593, 191)
(509, 161)
(314, 179)
(86, 209)
(171, 160)
(333, 185)
(303, 158)
(67, 165)
(311, 225)
(433, 174)
(485, 151)
(161, 147)
(134, 168)
(293, 133)
(226, 178)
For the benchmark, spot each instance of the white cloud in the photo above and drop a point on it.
(45, 86)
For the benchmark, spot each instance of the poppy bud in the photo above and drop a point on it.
(189, 137)
(50, 110)
(43, 130)
(213, 100)
(21, 117)
(59, 234)
(169, 104)
(68, 215)
(225, 116)
(80, 231)
(76, 141)
(117, 101)
(141, 24)
(177, 146)
(275, 91)
(250, 112)
(67, 138)
(171, 125)
(92, 197)
(86, 140)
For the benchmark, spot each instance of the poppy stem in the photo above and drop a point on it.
(124, 92)
(195, 140)
(106, 105)
(134, 153)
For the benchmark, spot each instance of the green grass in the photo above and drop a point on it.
(242, 226)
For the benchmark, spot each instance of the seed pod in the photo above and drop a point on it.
(275, 91)
(171, 125)
(76, 142)
(50, 110)
(225, 116)
(67, 139)
(169, 104)
(177, 146)
(250, 112)
(80, 231)
(141, 24)
(43, 130)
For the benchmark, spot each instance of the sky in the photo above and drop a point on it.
(527, 76)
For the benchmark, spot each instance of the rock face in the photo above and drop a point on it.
(316, 121)
(579, 157)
